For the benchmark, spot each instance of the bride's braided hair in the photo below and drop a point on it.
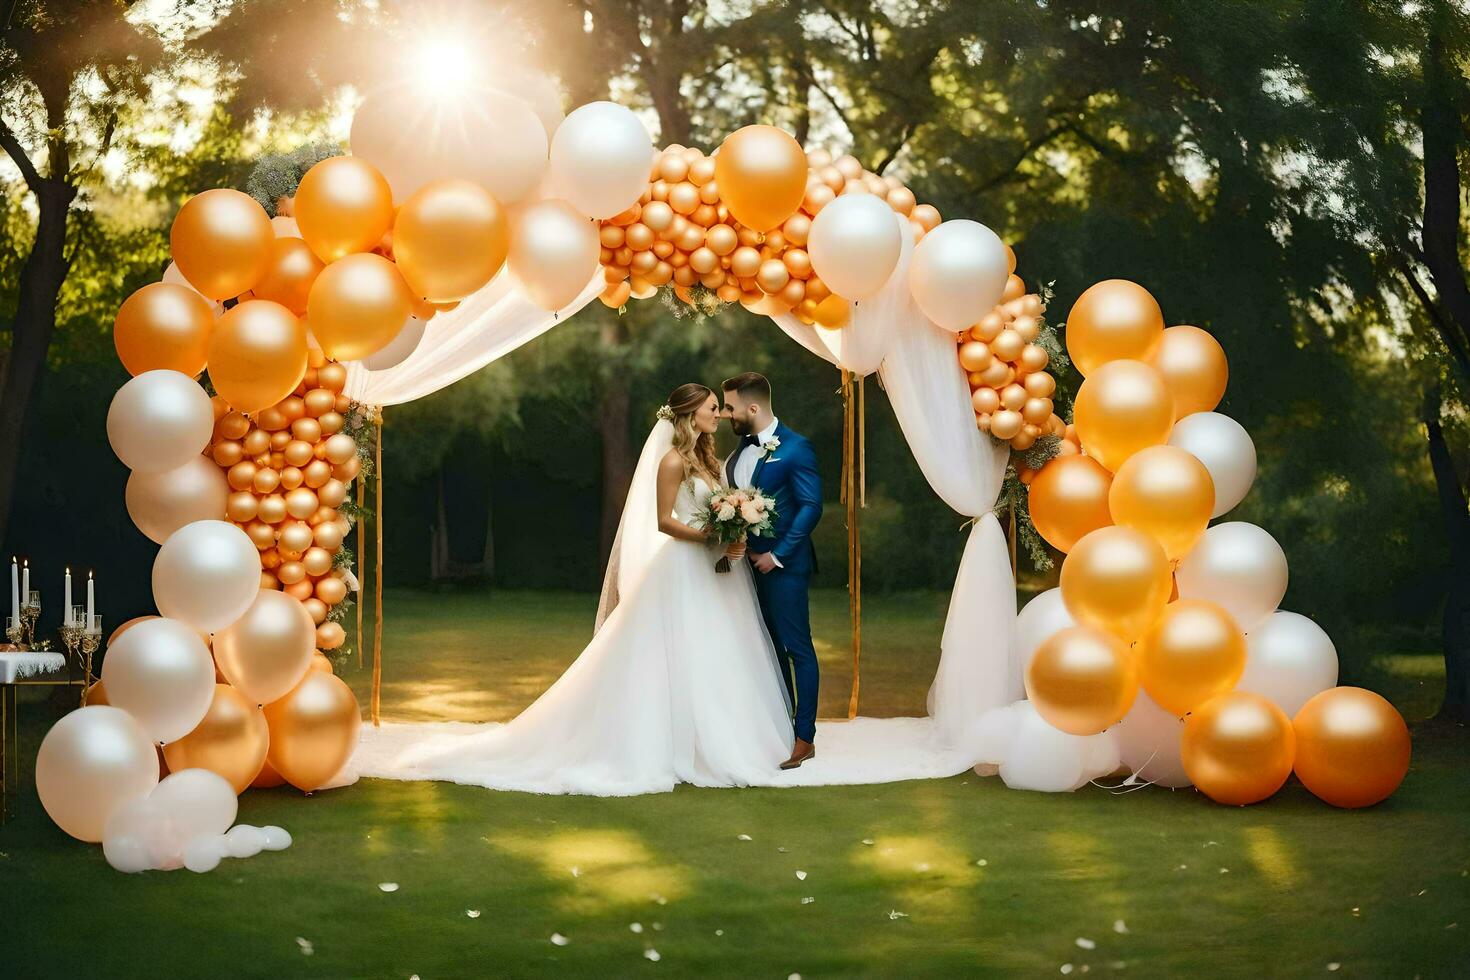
(697, 448)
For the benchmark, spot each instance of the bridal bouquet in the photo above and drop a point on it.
(733, 514)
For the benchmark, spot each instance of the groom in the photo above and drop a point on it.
(782, 464)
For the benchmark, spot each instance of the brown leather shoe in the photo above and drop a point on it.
(802, 751)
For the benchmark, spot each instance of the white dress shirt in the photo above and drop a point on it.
(749, 456)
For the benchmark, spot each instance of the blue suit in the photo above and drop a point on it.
(789, 476)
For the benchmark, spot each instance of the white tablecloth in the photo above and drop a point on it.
(14, 666)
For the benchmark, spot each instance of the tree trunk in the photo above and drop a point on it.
(1455, 628)
(617, 450)
(487, 554)
(439, 544)
(41, 277)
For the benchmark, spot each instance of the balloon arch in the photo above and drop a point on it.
(435, 249)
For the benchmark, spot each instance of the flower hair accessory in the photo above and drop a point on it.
(665, 413)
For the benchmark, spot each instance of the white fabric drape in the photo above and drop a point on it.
(931, 399)
(484, 327)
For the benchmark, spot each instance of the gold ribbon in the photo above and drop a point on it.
(378, 570)
(854, 496)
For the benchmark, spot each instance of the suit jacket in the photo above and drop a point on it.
(789, 476)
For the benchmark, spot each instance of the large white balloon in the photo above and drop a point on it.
(1239, 566)
(854, 244)
(1033, 755)
(600, 158)
(958, 273)
(1226, 449)
(206, 574)
(204, 853)
(1043, 616)
(161, 503)
(536, 89)
(553, 252)
(198, 802)
(399, 349)
(159, 420)
(90, 763)
(1289, 659)
(479, 134)
(161, 673)
(1148, 743)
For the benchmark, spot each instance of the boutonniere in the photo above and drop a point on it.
(770, 446)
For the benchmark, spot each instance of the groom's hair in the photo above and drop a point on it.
(750, 386)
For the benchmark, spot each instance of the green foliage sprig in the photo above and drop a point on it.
(277, 175)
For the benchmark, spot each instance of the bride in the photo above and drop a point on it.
(680, 682)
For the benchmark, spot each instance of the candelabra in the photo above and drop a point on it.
(29, 613)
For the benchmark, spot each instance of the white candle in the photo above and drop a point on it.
(15, 591)
(91, 602)
(66, 604)
(25, 581)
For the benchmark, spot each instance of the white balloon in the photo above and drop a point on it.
(91, 762)
(275, 838)
(479, 134)
(536, 89)
(1148, 743)
(126, 854)
(1226, 449)
(160, 503)
(600, 158)
(1039, 757)
(203, 853)
(553, 252)
(144, 823)
(244, 841)
(1288, 659)
(1239, 566)
(207, 574)
(159, 420)
(958, 272)
(992, 735)
(161, 673)
(198, 801)
(854, 244)
(1044, 616)
(399, 349)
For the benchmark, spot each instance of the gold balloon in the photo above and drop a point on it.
(449, 239)
(163, 326)
(1238, 748)
(293, 268)
(1116, 579)
(313, 730)
(221, 242)
(1122, 407)
(1167, 494)
(265, 652)
(343, 206)
(1194, 368)
(268, 778)
(1069, 500)
(1113, 320)
(834, 312)
(1082, 680)
(257, 355)
(330, 636)
(231, 740)
(1352, 747)
(1193, 653)
(761, 172)
(357, 306)
(97, 694)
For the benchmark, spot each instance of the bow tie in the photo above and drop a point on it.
(749, 440)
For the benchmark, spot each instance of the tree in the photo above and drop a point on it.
(66, 71)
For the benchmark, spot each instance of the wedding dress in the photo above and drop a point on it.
(679, 685)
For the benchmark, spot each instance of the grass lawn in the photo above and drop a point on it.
(937, 878)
